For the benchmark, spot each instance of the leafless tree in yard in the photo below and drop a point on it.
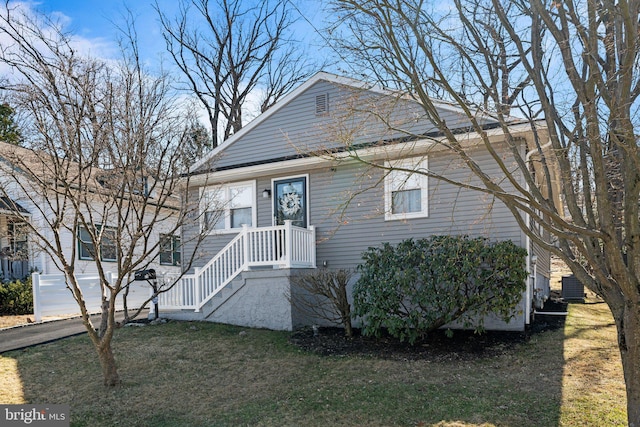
(567, 69)
(322, 294)
(103, 159)
(228, 50)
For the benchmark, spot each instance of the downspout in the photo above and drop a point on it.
(528, 296)
(529, 290)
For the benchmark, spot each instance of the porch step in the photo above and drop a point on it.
(222, 296)
(252, 248)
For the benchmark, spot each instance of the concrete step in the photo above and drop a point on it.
(222, 296)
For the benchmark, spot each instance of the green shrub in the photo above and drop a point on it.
(421, 285)
(16, 297)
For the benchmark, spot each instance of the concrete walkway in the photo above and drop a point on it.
(24, 336)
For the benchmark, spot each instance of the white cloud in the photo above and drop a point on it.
(96, 47)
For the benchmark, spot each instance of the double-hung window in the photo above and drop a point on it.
(108, 247)
(169, 250)
(229, 207)
(405, 187)
(17, 233)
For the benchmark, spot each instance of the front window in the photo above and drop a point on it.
(240, 209)
(169, 250)
(18, 232)
(229, 207)
(108, 246)
(406, 192)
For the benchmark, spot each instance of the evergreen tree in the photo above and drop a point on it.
(9, 130)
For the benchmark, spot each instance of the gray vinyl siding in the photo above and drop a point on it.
(344, 235)
(344, 232)
(295, 128)
(544, 259)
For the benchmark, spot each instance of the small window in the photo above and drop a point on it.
(322, 103)
(169, 250)
(86, 249)
(406, 192)
(108, 245)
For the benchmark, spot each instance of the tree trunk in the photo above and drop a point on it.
(104, 319)
(628, 324)
(108, 363)
(348, 329)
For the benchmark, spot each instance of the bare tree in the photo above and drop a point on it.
(569, 70)
(100, 170)
(322, 294)
(230, 49)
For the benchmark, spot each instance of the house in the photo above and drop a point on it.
(27, 196)
(275, 198)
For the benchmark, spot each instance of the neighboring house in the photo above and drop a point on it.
(274, 197)
(21, 250)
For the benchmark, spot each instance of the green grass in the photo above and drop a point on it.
(200, 374)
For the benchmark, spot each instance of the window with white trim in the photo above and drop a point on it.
(405, 193)
(230, 206)
(108, 248)
(169, 249)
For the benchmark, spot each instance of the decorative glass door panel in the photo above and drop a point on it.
(290, 201)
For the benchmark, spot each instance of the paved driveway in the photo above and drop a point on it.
(40, 333)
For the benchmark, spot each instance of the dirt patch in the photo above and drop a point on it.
(9, 321)
(463, 345)
(25, 319)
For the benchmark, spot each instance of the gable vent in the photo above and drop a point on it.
(322, 103)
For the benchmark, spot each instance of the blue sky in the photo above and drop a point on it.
(93, 20)
(92, 23)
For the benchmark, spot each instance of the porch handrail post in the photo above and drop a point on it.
(35, 285)
(288, 238)
(196, 283)
(152, 306)
(245, 246)
(312, 230)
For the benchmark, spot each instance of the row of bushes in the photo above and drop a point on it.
(16, 297)
(421, 285)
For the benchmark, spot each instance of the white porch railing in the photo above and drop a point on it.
(283, 246)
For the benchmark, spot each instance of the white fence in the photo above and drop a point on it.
(52, 297)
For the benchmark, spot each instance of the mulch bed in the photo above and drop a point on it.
(463, 345)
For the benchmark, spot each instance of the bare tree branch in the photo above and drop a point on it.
(228, 50)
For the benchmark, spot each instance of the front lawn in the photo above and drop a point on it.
(200, 374)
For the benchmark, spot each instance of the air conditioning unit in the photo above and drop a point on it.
(572, 288)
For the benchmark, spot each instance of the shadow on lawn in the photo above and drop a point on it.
(508, 379)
